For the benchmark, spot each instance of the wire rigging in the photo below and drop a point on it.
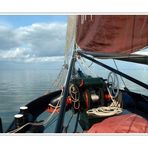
(120, 75)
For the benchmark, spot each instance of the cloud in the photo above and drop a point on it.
(44, 39)
(13, 54)
(142, 52)
(40, 40)
(44, 59)
(8, 38)
(24, 55)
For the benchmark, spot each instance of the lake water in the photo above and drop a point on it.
(22, 82)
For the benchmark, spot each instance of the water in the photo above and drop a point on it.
(22, 82)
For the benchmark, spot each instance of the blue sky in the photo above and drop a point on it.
(32, 37)
(25, 20)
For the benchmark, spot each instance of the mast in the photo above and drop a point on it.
(65, 95)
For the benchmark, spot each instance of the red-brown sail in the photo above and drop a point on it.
(121, 34)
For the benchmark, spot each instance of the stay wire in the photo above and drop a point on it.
(120, 75)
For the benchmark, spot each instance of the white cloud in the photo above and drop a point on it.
(24, 55)
(44, 59)
(44, 39)
(12, 54)
(8, 39)
(37, 41)
(142, 52)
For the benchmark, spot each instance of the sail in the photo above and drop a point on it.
(119, 34)
(70, 37)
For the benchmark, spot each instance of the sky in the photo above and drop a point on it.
(32, 37)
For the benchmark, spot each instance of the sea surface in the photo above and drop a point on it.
(21, 83)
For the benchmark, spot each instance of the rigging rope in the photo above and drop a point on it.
(115, 108)
(59, 81)
(75, 95)
(88, 68)
(104, 111)
(120, 75)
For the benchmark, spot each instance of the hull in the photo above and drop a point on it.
(35, 108)
(134, 118)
